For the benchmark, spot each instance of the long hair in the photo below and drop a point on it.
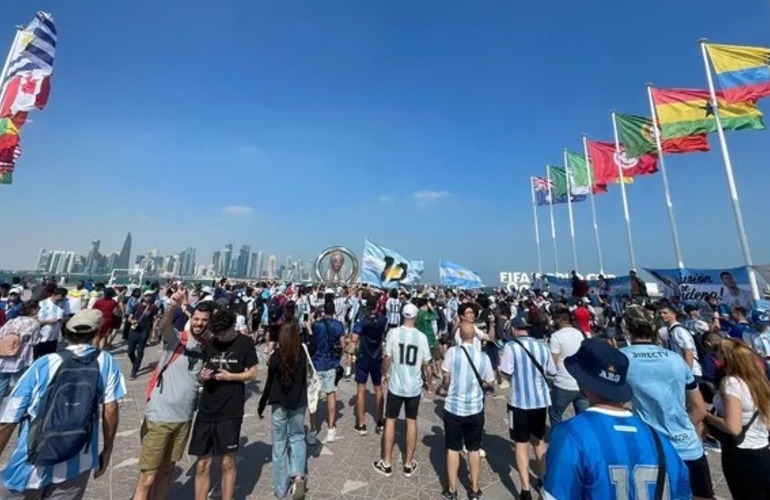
(289, 344)
(741, 362)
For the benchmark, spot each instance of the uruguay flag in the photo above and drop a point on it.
(457, 276)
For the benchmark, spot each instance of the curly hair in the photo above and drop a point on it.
(221, 321)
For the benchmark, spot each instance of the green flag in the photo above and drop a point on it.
(558, 178)
(638, 137)
(6, 177)
(581, 176)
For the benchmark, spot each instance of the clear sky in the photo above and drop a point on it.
(296, 125)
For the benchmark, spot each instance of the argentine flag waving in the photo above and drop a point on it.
(457, 276)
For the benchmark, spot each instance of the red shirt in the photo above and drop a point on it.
(106, 306)
(583, 319)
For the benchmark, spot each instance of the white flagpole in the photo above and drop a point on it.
(626, 213)
(553, 224)
(537, 227)
(662, 163)
(571, 218)
(589, 168)
(730, 178)
(8, 59)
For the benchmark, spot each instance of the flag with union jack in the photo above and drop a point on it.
(542, 187)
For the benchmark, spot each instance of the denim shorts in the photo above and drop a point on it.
(327, 381)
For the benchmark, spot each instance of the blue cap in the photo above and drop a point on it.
(520, 323)
(602, 369)
(760, 318)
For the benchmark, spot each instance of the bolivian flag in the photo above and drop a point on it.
(683, 112)
(743, 72)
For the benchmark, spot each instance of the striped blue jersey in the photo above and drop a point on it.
(25, 400)
(529, 388)
(465, 396)
(605, 453)
(408, 351)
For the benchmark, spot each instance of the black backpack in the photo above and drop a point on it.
(62, 428)
(274, 310)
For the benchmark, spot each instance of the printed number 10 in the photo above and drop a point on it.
(410, 356)
(644, 476)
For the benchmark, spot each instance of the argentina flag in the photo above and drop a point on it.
(35, 49)
(457, 276)
(385, 268)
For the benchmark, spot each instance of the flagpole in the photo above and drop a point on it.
(553, 224)
(666, 190)
(589, 168)
(569, 209)
(7, 63)
(626, 213)
(537, 227)
(730, 178)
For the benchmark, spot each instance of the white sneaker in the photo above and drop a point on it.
(331, 435)
(482, 453)
(312, 438)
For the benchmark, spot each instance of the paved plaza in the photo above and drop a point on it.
(340, 470)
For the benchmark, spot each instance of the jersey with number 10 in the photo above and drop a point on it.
(408, 350)
(605, 454)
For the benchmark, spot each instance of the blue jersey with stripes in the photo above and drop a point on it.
(23, 404)
(604, 453)
(465, 396)
(529, 388)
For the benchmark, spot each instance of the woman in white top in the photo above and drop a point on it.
(742, 415)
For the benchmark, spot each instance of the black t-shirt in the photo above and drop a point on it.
(224, 400)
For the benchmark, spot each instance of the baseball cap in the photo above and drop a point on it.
(17, 290)
(410, 311)
(207, 289)
(87, 320)
(602, 369)
(520, 323)
(760, 318)
(148, 292)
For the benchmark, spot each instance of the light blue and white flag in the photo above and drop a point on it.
(457, 276)
(36, 48)
(385, 268)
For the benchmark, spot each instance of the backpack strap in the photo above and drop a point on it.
(156, 380)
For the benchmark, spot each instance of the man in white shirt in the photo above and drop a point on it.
(564, 343)
(680, 340)
(407, 357)
(51, 316)
(78, 298)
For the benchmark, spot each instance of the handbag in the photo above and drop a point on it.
(484, 389)
(313, 384)
(728, 440)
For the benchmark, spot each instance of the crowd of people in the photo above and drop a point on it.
(653, 384)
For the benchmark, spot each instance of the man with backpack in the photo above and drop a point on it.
(172, 394)
(56, 402)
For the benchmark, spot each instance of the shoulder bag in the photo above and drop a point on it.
(313, 384)
(531, 358)
(484, 389)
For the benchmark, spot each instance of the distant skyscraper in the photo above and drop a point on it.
(242, 263)
(215, 260)
(253, 266)
(227, 257)
(259, 265)
(42, 261)
(92, 262)
(124, 259)
(271, 267)
(187, 262)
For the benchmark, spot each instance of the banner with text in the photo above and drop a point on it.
(612, 287)
(730, 286)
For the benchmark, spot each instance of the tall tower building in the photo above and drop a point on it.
(253, 266)
(215, 261)
(124, 258)
(259, 265)
(227, 257)
(242, 263)
(271, 267)
(92, 263)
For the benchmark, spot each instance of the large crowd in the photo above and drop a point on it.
(654, 384)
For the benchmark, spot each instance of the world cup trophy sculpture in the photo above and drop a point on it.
(336, 266)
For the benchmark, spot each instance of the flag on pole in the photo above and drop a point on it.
(743, 72)
(638, 136)
(455, 275)
(581, 177)
(9, 142)
(605, 161)
(559, 188)
(683, 112)
(37, 48)
(384, 268)
(542, 187)
(6, 177)
(25, 92)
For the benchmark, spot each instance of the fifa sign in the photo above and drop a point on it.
(524, 279)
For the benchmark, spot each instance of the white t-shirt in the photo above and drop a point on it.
(681, 340)
(756, 435)
(564, 343)
(408, 350)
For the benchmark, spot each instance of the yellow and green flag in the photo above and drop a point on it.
(684, 112)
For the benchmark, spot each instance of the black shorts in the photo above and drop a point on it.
(525, 423)
(215, 438)
(700, 477)
(459, 430)
(393, 405)
(273, 331)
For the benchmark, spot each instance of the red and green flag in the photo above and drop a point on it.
(638, 136)
(606, 160)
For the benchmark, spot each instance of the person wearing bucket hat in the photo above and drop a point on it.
(667, 397)
(607, 450)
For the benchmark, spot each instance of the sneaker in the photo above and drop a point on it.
(331, 435)
(482, 453)
(475, 495)
(380, 468)
(360, 429)
(410, 469)
(711, 444)
(380, 427)
(525, 495)
(448, 495)
(312, 438)
(298, 490)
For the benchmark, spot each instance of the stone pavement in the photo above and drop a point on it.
(340, 470)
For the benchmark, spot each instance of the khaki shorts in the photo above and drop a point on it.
(162, 443)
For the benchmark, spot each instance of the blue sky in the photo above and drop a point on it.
(415, 124)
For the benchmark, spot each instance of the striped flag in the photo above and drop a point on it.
(458, 276)
(36, 48)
